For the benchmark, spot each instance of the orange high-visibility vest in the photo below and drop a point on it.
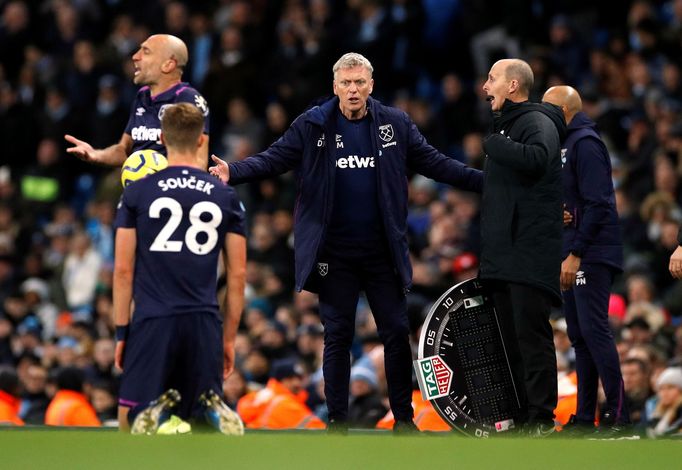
(426, 418)
(275, 407)
(567, 403)
(69, 408)
(9, 409)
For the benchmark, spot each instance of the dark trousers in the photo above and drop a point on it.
(586, 310)
(344, 270)
(523, 312)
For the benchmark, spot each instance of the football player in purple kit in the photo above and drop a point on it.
(159, 63)
(170, 229)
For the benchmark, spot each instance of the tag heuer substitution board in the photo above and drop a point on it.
(463, 366)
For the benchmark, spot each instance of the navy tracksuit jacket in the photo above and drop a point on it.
(594, 236)
(306, 147)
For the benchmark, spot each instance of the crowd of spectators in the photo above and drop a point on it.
(65, 67)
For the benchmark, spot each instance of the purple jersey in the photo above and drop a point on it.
(144, 123)
(181, 216)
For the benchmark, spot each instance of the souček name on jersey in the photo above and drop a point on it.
(190, 182)
(145, 133)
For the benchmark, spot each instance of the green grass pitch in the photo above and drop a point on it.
(71, 449)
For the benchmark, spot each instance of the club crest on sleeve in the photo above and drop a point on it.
(323, 269)
(200, 103)
(162, 110)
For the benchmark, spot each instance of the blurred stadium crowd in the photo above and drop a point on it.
(65, 67)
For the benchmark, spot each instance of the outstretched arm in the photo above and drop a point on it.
(220, 170)
(283, 155)
(113, 155)
(426, 160)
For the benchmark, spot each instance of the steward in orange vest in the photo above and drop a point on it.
(9, 401)
(426, 418)
(567, 403)
(281, 404)
(70, 407)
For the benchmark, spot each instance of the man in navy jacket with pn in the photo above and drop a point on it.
(593, 255)
(352, 155)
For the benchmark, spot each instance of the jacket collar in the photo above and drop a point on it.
(581, 121)
(322, 113)
(511, 111)
(509, 108)
(166, 95)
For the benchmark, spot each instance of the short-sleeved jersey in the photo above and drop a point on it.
(144, 123)
(181, 216)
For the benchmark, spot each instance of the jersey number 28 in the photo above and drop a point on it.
(162, 242)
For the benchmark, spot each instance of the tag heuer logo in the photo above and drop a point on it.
(435, 377)
(386, 132)
(323, 269)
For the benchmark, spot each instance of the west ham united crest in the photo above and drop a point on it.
(463, 366)
(386, 132)
(162, 110)
(323, 269)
